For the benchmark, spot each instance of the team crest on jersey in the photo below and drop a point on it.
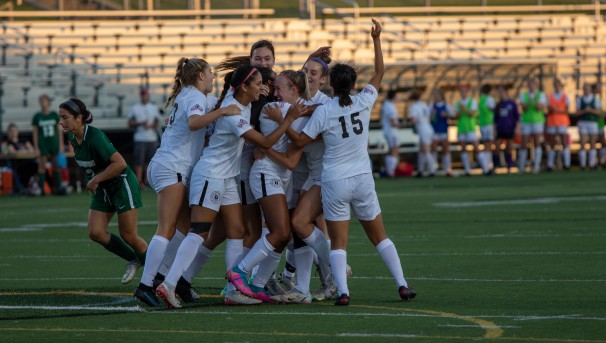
(242, 122)
(275, 183)
(197, 107)
(215, 197)
(368, 90)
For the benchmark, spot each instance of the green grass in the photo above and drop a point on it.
(515, 258)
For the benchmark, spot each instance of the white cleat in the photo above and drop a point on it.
(294, 296)
(273, 288)
(167, 293)
(237, 298)
(131, 271)
(287, 281)
(328, 289)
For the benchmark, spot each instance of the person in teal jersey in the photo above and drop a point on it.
(113, 185)
(47, 143)
(486, 106)
(534, 105)
(588, 113)
(597, 90)
(466, 111)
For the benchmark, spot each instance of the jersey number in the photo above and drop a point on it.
(356, 125)
(171, 119)
(48, 131)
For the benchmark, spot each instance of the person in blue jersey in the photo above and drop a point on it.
(441, 112)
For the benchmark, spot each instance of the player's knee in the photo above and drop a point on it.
(97, 236)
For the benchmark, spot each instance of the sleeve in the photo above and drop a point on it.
(102, 145)
(196, 106)
(598, 103)
(474, 105)
(35, 120)
(490, 103)
(368, 96)
(131, 112)
(237, 125)
(521, 99)
(315, 125)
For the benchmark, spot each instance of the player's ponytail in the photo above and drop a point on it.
(343, 79)
(186, 75)
(299, 81)
(226, 86)
(76, 107)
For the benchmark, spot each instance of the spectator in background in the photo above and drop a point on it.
(440, 112)
(48, 142)
(534, 104)
(507, 118)
(597, 90)
(144, 117)
(486, 106)
(558, 122)
(22, 168)
(588, 111)
(466, 109)
(421, 118)
(390, 123)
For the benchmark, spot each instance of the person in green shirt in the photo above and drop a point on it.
(534, 105)
(466, 111)
(47, 143)
(486, 106)
(113, 185)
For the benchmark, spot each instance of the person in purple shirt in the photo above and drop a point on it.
(507, 122)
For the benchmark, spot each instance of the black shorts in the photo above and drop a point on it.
(505, 135)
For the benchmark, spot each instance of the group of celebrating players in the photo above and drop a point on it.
(272, 165)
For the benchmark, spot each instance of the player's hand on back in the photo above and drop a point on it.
(231, 110)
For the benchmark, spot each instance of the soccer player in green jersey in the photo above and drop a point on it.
(113, 185)
(47, 142)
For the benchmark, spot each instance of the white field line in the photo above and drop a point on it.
(38, 227)
(535, 201)
(75, 308)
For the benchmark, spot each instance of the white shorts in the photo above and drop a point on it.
(391, 137)
(310, 182)
(213, 193)
(468, 137)
(246, 194)
(356, 191)
(532, 128)
(440, 137)
(266, 184)
(587, 127)
(556, 130)
(425, 136)
(487, 133)
(160, 177)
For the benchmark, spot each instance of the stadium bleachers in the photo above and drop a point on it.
(120, 55)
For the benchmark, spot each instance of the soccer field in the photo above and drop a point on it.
(518, 258)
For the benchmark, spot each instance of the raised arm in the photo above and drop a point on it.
(375, 33)
(196, 122)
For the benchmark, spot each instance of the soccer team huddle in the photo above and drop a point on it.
(273, 165)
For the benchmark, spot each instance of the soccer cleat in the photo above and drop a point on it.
(131, 270)
(146, 295)
(327, 290)
(186, 292)
(239, 279)
(348, 271)
(158, 279)
(342, 300)
(273, 288)
(287, 281)
(237, 298)
(167, 293)
(294, 296)
(224, 290)
(259, 293)
(407, 293)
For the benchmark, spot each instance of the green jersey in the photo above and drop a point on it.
(586, 116)
(486, 116)
(532, 115)
(93, 155)
(466, 122)
(48, 137)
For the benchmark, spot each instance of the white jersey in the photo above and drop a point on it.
(345, 134)
(314, 151)
(180, 147)
(221, 159)
(389, 112)
(145, 114)
(422, 115)
(267, 126)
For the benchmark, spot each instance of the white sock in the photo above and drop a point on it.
(465, 160)
(522, 156)
(338, 264)
(583, 158)
(245, 251)
(602, 154)
(551, 154)
(446, 163)
(566, 157)
(487, 158)
(593, 157)
(171, 251)
(420, 162)
(538, 155)
(431, 163)
(153, 259)
(267, 268)
(481, 157)
(199, 261)
(305, 257)
(290, 259)
(390, 257)
(257, 254)
(317, 241)
(185, 255)
(233, 252)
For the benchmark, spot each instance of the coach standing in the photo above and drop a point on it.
(144, 117)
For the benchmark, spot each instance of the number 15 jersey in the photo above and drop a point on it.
(345, 134)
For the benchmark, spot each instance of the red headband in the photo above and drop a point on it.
(249, 75)
(292, 83)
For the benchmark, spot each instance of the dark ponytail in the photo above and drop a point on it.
(226, 86)
(343, 80)
(76, 107)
